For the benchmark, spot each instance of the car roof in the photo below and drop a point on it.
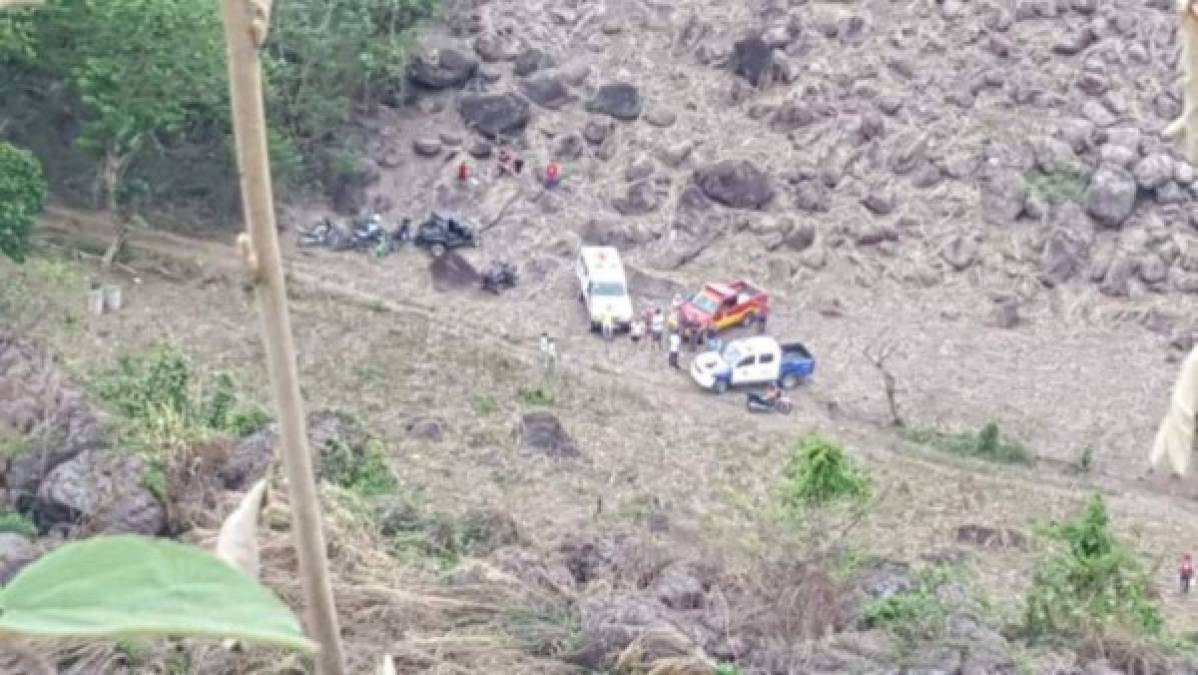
(755, 344)
(722, 290)
(601, 258)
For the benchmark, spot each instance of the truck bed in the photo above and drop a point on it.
(795, 349)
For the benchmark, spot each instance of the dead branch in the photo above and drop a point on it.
(877, 356)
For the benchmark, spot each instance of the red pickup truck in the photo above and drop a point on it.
(721, 306)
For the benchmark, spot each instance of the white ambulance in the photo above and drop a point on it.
(602, 286)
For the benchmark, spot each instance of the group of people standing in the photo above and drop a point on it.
(661, 330)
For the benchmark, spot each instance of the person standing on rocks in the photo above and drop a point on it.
(1186, 573)
(552, 174)
(608, 325)
(657, 327)
(675, 348)
(636, 331)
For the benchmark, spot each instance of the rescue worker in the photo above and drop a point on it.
(675, 347)
(608, 324)
(463, 172)
(636, 331)
(552, 171)
(657, 326)
(1186, 573)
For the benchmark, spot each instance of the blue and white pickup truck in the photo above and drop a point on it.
(755, 360)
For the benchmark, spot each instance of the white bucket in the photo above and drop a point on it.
(112, 298)
(95, 301)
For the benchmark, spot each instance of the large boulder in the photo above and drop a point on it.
(495, 115)
(1154, 171)
(16, 551)
(619, 100)
(44, 419)
(453, 272)
(542, 432)
(752, 59)
(1003, 195)
(1111, 195)
(547, 91)
(735, 184)
(640, 198)
(100, 492)
(451, 69)
(530, 61)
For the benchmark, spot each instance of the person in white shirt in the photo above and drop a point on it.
(636, 331)
(657, 328)
(675, 347)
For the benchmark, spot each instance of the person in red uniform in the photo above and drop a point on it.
(552, 172)
(463, 172)
(1186, 573)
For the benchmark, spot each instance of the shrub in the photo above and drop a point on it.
(987, 443)
(361, 469)
(1092, 585)
(917, 614)
(22, 195)
(539, 396)
(162, 405)
(818, 472)
(1058, 184)
(17, 523)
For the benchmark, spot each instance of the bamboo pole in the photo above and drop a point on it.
(1185, 127)
(246, 23)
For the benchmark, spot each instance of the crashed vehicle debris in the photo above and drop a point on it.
(444, 231)
(363, 235)
(499, 276)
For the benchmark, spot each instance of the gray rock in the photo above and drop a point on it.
(1086, 7)
(426, 429)
(736, 184)
(15, 553)
(640, 198)
(1126, 137)
(495, 115)
(1063, 256)
(569, 147)
(852, 30)
(1078, 133)
(451, 70)
(1117, 155)
(792, 114)
(1053, 154)
(1154, 171)
(1098, 114)
(873, 233)
(1117, 282)
(661, 117)
(547, 91)
(1005, 312)
(542, 432)
(103, 492)
(348, 189)
(959, 252)
(799, 236)
(1035, 9)
(1111, 196)
(480, 149)
(1185, 282)
(880, 201)
(1003, 193)
(638, 171)
(530, 61)
(752, 59)
(883, 579)
(249, 459)
(812, 196)
(675, 155)
(1152, 269)
(1170, 193)
(449, 140)
(426, 147)
(619, 100)
(1074, 43)
(679, 588)
(595, 132)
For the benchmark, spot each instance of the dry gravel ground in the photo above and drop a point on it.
(1083, 368)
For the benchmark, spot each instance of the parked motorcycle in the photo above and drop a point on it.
(499, 276)
(757, 403)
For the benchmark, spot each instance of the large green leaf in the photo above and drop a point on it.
(129, 585)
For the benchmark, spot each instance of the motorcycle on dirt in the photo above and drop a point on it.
(756, 403)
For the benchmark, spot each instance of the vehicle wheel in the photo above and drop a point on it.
(785, 407)
(720, 386)
(437, 250)
(790, 381)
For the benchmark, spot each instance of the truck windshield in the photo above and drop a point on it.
(704, 303)
(608, 289)
(731, 355)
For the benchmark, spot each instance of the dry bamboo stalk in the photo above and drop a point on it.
(246, 23)
(1186, 126)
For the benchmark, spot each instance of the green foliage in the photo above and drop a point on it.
(1059, 184)
(145, 70)
(162, 404)
(819, 473)
(22, 195)
(17, 523)
(419, 535)
(126, 586)
(988, 443)
(16, 36)
(917, 614)
(361, 469)
(538, 396)
(485, 404)
(1092, 585)
(728, 669)
(1085, 460)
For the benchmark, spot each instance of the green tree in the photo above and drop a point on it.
(819, 473)
(144, 70)
(22, 195)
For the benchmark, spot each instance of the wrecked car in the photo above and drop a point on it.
(443, 231)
